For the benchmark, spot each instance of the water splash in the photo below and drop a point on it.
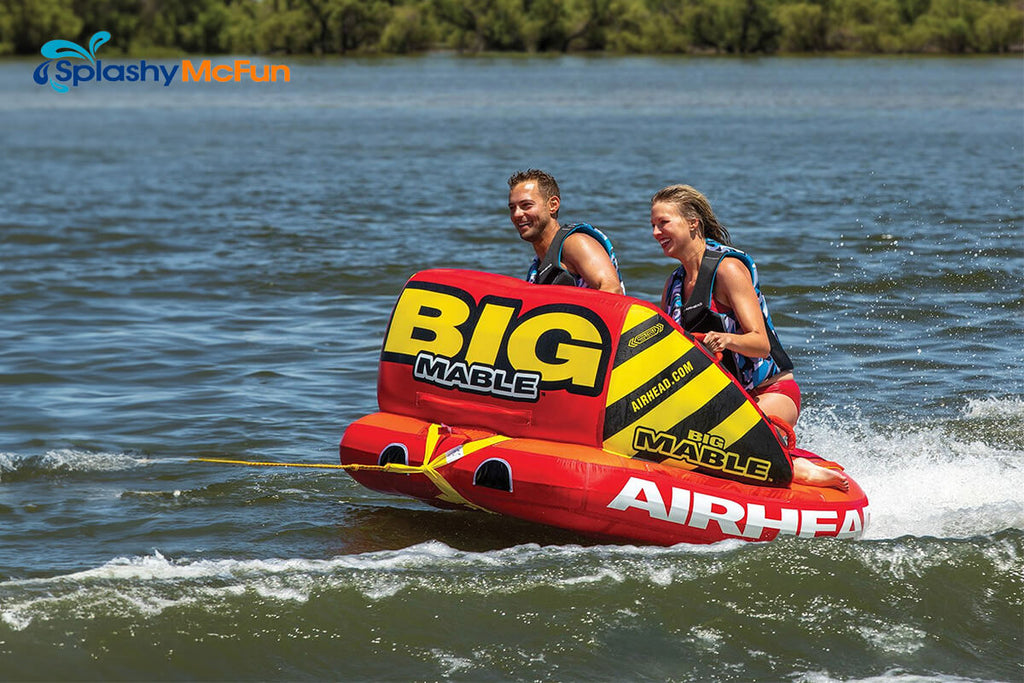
(954, 477)
(64, 460)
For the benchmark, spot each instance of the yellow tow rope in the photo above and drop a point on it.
(431, 463)
(225, 461)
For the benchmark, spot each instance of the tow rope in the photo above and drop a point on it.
(225, 461)
(432, 461)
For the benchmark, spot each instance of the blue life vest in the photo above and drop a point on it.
(550, 271)
(696, 315)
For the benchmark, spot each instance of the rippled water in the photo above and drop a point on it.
(207, 271)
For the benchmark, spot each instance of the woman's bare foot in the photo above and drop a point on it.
(806, 472)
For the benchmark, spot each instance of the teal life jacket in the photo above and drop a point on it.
(698, 314)
(549, 271)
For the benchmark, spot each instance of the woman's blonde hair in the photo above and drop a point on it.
(691, 204)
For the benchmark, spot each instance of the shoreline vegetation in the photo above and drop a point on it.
(623, 27)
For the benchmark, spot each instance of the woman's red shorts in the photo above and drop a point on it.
(786, 387)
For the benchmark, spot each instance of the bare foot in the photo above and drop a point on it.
(806, 472)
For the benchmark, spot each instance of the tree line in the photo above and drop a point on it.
(340, 27)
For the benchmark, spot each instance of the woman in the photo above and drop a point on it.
(715, 291)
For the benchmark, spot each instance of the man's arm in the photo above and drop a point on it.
(584, 256)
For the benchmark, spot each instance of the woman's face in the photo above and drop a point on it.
(673, 231)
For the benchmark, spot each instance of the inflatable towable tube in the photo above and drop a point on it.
(587, 411)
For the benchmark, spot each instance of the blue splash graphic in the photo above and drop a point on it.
(65, 49)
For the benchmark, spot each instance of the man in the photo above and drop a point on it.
(578, 254)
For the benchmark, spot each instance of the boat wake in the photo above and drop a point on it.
(954, 477)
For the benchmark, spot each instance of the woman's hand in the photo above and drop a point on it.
(717, 342)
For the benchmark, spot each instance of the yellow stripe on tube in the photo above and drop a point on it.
(672, 410)
(736, 426)
(633, 373)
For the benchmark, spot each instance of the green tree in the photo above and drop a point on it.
(240, 33)
(207, 32)
(589, 23)
(412, 28)
(910, 10)
(461, 21)
(625, 26)
(281, 28)
(734, 26)
(758, 30)
(124, 19)
(546, 26)
(501, 25)
(999, 28)
(356, 25)
(662, 26)
(319, 13)
(25, 25)
(708, 23)
(802, 26)
(6, 31)
(637, 29)
(866, 26)
(945, 27)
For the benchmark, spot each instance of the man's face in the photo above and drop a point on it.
(529, 211)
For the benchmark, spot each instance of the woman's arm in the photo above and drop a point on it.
(735, 290)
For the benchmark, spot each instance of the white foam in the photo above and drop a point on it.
(81, 461)
(894, 638)
(9, 462)
(1001, 408)
(891, 676)
(928, 480)
(602, 574)
(451, 663)
(15, 618)
(72, 460)
(151, 584)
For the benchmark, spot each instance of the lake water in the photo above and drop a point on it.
(207, 270)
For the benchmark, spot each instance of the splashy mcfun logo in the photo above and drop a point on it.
(74, 65)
